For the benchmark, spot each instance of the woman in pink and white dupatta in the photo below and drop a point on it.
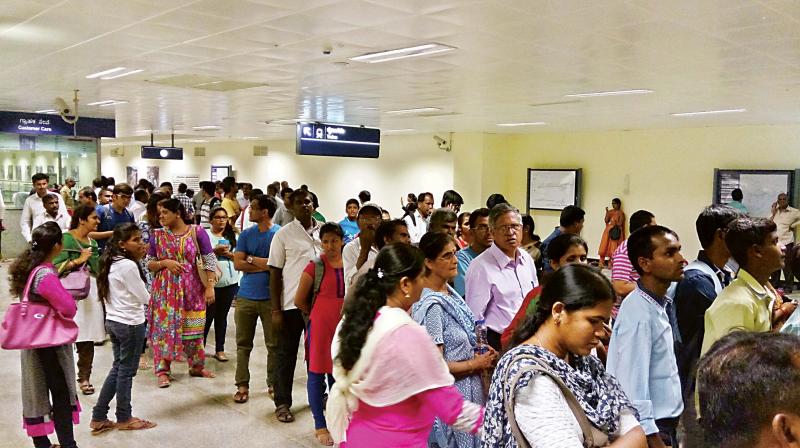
(391, 380)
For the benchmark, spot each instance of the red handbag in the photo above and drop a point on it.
(28, 325)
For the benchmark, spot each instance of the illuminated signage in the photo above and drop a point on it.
(162, 152)
(44, 124)
(321, 139)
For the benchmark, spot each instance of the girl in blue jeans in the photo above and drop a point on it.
(121, 284)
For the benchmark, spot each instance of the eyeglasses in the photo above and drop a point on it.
(506, 227)
(447, 256)
(220, 217)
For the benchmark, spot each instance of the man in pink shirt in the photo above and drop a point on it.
(623, 276)
(498, 279)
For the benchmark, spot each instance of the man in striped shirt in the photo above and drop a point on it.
(623, 276)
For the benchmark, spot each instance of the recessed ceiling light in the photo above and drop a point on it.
(708, 112)
(609, 93)
(418, 110)
(206, 128)
(106, 103)
(46, 111)
(132, 72)
(104, 73)
(198, 141)
(403, 53)
(529, 123)
(250, 138)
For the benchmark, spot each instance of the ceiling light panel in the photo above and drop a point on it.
(128, 73)
(404, 53)
(105, 72)
(609, 93)
(418, 110)
(708, 112)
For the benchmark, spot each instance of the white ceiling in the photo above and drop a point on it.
(512, 55)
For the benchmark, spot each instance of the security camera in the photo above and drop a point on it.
(61, 106)
(443, 144)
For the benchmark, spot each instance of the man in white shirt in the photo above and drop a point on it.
(787, 218)
(292, 248)
(358, 256)
(34, 207)
(418, 223)
(51, 213)
(284, 214)
(138, 206)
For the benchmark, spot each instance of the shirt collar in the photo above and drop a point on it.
(504, 260)
(702, 256)
(662, 301)
(758, 289)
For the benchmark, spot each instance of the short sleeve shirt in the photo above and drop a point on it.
(255, 285)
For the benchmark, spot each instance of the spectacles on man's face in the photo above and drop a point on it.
(505, 228)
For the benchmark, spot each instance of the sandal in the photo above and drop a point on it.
(135, 424)
(86, 388)
(284, 414)
(163, 381)
(221, 357)
(324, 437)
(100, 426)
(241, 395)
(201, 373)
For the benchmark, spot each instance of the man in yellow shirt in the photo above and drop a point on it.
(229, 202)
(748, 302)
(787, 219)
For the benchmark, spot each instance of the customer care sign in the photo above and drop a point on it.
(46, 124)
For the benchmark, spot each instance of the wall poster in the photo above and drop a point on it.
(132, 175)
(152, 175)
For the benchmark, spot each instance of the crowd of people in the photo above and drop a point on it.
(439, 329)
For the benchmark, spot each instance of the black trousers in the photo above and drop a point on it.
(668, 430)
(288, 345)
(59, 393)
(217, 314)
(788, 275)
(493, 338)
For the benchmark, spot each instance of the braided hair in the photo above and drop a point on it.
(394, 262)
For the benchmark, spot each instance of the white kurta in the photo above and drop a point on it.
(90, 316)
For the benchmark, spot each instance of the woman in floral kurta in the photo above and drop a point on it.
(178, 303)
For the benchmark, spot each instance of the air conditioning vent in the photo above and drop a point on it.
(199, 151)
(260, 151)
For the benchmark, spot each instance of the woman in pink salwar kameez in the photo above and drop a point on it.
(391, 380)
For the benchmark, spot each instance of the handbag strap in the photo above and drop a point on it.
(27, 289)
(572, 402)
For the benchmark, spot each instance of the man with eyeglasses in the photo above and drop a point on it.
(498, 280)
(113, 214)
(358, 256)
(481, 240)
(34, 204)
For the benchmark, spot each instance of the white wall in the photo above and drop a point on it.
(408, 163)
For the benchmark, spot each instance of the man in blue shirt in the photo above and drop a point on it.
(253, 299)
(570, 221)
(481, 240)
(113, 214)
(350, 222)
(703, 279)
(641, 354)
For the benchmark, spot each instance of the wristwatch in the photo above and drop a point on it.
(249, 259)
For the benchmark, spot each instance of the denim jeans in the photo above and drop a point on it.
(126, 343)
(316, 396)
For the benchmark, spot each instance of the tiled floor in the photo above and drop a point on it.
(192, 413)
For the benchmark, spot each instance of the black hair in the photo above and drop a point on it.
(97, 182)
(421, 197)
(364, 196)
(173, 205)
(40, 176)
(441, 216)
(89, 193)
(639, 219)
(411, 197)
(43, 239)
(227, 231)
(151, 212)
(743, 233)
(499, 210)
(49, 197)
(81, 213)
(494, 199)
(616, 201)
(477, 214)
(140, 195)
(143, 184)
(255, 192)
(314, 199)
(182, 187)
(110, 181)
(559, 245)
(272, 189)
(352, 201)
(527, 221)
(386, 229)
(113, 253)
(331, 227)
(228, 184)
(640, 244)
(571, 215)
(394, 262)
(734, 406)
(166, 184)
(463, 218)
(122, 188)
(737, 194)
(299, 193)
(209, 188)
(265, 202)
(285, 191)
(433, 243)
(451, 197)
(711, 219)
(577, 286)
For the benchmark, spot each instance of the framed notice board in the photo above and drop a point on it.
(759, 187)
(553, 189)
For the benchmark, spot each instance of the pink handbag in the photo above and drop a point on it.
(28, 325)
(77, 283)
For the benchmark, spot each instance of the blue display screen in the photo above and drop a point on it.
(319, 139)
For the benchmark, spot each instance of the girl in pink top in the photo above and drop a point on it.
(391, 380)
